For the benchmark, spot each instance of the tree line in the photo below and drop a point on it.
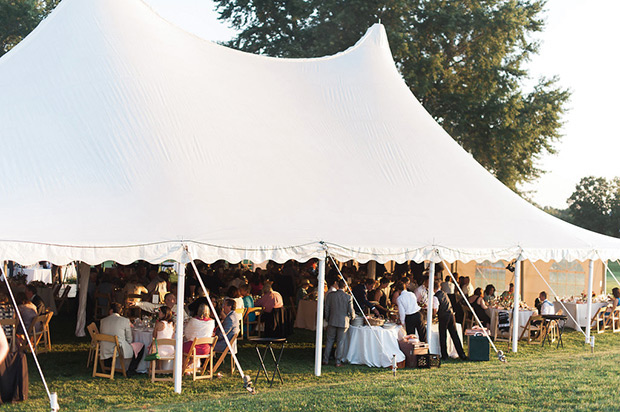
(594, 205)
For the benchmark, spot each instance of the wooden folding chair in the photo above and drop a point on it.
(613, 320)
(241, 313)
(60, 300)
(39, 330)
(189, 358)
(100, 337)
(92, 331)
(535, 330)
(468, 318)
(252, 331)
(223, 355)
(102, 310)
(496, 332)
(599, 320)
(153, 366)
(11, 337)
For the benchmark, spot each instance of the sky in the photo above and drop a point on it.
(578, 45)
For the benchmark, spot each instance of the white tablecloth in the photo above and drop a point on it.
(41, 275)
(579, 312)
(524, 316)
(361, 346)
(435, 347)
(145, 336)
(306, 315)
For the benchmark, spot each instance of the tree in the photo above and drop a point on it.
(595, 205)
(20, 17)
(463, 60)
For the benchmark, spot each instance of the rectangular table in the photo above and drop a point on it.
(36, 274)
(579, 312)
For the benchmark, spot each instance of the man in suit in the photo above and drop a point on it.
(31, 294)
(230, 323)
(445, 316)
(338, 312)
(119, 326)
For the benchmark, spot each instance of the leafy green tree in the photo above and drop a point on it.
(463, 60)
(20, 17)
(595, 205)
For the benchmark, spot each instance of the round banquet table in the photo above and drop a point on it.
(306, 315)
(146, 337)
(361, 346)
(579, 312)
(524, 316)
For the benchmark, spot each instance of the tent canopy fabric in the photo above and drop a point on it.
(125, 138)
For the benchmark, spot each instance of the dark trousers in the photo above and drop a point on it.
(414, 322)
(133, 364)
(447, 323)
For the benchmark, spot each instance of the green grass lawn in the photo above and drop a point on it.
(535, 379)
(611, 282)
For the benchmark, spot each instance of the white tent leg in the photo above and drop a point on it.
(516, 299)
(318, 346)
(178, 355)
(429, 304)
(589, 311)
(83, 279)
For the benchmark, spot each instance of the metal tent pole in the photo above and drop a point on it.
(178, 357)
(318, 346)
(589, 311)
(429, 303)
(515, 302)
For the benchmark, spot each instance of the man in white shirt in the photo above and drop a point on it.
(546, 307)
(409, 311)
(421, 292)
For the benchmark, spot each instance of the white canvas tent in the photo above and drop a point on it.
(124, 138)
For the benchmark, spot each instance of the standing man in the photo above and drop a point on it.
(338, 312)
(360, 293)
(446, 323)
(409, 311)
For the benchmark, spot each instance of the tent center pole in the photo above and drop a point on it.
(589, 311)
(515, 305)
(429, 304)
(178, 356)
(318, 346)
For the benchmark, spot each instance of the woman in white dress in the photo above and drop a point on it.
(200, 326)
(164, 329)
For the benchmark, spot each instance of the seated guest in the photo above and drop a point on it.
(233, 293)
(170, 300)
(164, 329)
(230, 323)
(27, 310)
(302, 291)
(489, 294)
(477, 303)
(409, 311)
(119, 326)
(271, 302)
(248, 301)
(615, 300)
(200, 326)
(546, 307)
(133, 287)
(192, 308)
(509, 294)
(31, 294)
